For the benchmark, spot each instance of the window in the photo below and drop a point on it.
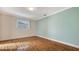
(23, 24)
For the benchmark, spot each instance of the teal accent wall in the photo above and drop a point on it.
(63, 26)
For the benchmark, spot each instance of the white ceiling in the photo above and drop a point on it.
(37, 14)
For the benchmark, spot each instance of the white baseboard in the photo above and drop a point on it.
(59, 41)
(17, 37)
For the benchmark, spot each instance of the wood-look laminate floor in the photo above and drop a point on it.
(34, 44)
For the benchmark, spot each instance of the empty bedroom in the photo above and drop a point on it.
(39, 28)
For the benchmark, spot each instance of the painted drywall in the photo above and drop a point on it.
(8, 29)
(0, 27)
(63, 26)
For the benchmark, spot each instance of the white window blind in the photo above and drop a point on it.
(23, 24)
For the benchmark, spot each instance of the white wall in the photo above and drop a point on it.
(8, 28)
